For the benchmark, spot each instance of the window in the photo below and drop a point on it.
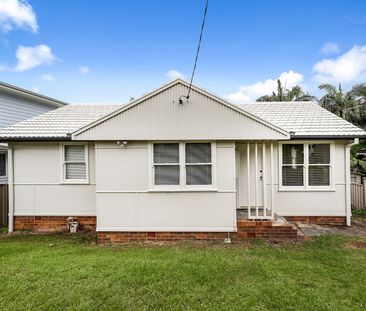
(3, 170)
(182, 165)
(198, 164)
(306, 165)
(75, 163)
(166, 164)
(293, 165)
(319, 165)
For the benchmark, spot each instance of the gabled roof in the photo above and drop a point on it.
(57, 124)
(300, 119)
(184, 87)
(17, 91)
(304, 119)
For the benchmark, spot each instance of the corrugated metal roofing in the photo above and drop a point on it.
(304, 119)
(59, 123)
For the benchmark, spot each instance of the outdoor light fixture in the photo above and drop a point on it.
(122, 143)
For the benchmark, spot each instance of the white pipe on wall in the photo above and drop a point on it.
(11, 189)
(348, 179)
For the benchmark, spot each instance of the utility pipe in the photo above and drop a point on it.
(348, 179)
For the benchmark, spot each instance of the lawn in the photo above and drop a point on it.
(55, 272)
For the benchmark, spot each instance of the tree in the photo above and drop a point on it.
(348, 105)
(296, 93)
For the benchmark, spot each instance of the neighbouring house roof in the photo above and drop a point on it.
(57, 124)
(304, 119)
(17, 91)
(299, 119)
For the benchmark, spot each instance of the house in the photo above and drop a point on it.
(158, 168)
(17, 104)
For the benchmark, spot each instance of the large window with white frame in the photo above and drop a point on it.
(305, 165)
(75, 163)
(182, 165)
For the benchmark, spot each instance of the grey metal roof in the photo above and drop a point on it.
(59, 123)
(304, 119)
(15, 90)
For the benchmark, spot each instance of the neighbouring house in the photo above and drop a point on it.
(156, 168)
(17, 104)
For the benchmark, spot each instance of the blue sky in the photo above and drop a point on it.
(108, 51)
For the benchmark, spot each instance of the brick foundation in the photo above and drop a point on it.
(125, 237)
(51, 223)
(248, 229)
(319, 220)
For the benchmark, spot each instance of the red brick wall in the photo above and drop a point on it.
(125, 237)
(51, 223)
(264, 230)
(246, 229)
(319, 220)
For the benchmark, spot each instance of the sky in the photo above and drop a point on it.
(109, 51)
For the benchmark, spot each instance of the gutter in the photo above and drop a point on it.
(10, 139)
(326, 136)
(347, 162)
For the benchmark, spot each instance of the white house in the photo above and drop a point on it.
(157, 168)
(17, 104)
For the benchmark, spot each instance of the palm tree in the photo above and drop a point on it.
(344, 104)
(296, 93)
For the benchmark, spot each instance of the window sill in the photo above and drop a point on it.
(307, 190)
(183, 190)
(75, 182)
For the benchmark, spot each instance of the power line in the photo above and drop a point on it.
(197, 53)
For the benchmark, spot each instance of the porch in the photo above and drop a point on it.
(256, 180)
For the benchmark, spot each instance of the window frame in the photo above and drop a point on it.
(306, 165)
(5, 152)
(64, 180)
(182, 186)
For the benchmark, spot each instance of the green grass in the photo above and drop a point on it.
(359, 213)
(60, 273)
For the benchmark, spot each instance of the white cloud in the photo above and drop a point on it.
(48, 77)
(248, 93)
(330, 48)
(17, 14)
(84, 69)
(345, 68)
(29, 57)
(36, 89)
(175, 74)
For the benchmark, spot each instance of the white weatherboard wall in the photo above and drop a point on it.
(124, 202)
(161, 117)
(38, 189)
(295, 203)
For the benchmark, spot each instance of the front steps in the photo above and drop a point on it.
(278, 228)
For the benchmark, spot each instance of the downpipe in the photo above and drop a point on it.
(348, 179)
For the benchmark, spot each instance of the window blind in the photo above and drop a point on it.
(166, 153)
(166, 164)
(166, 174)
(293, 165)
(319, 165)
(75, 166)
(198, 164)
